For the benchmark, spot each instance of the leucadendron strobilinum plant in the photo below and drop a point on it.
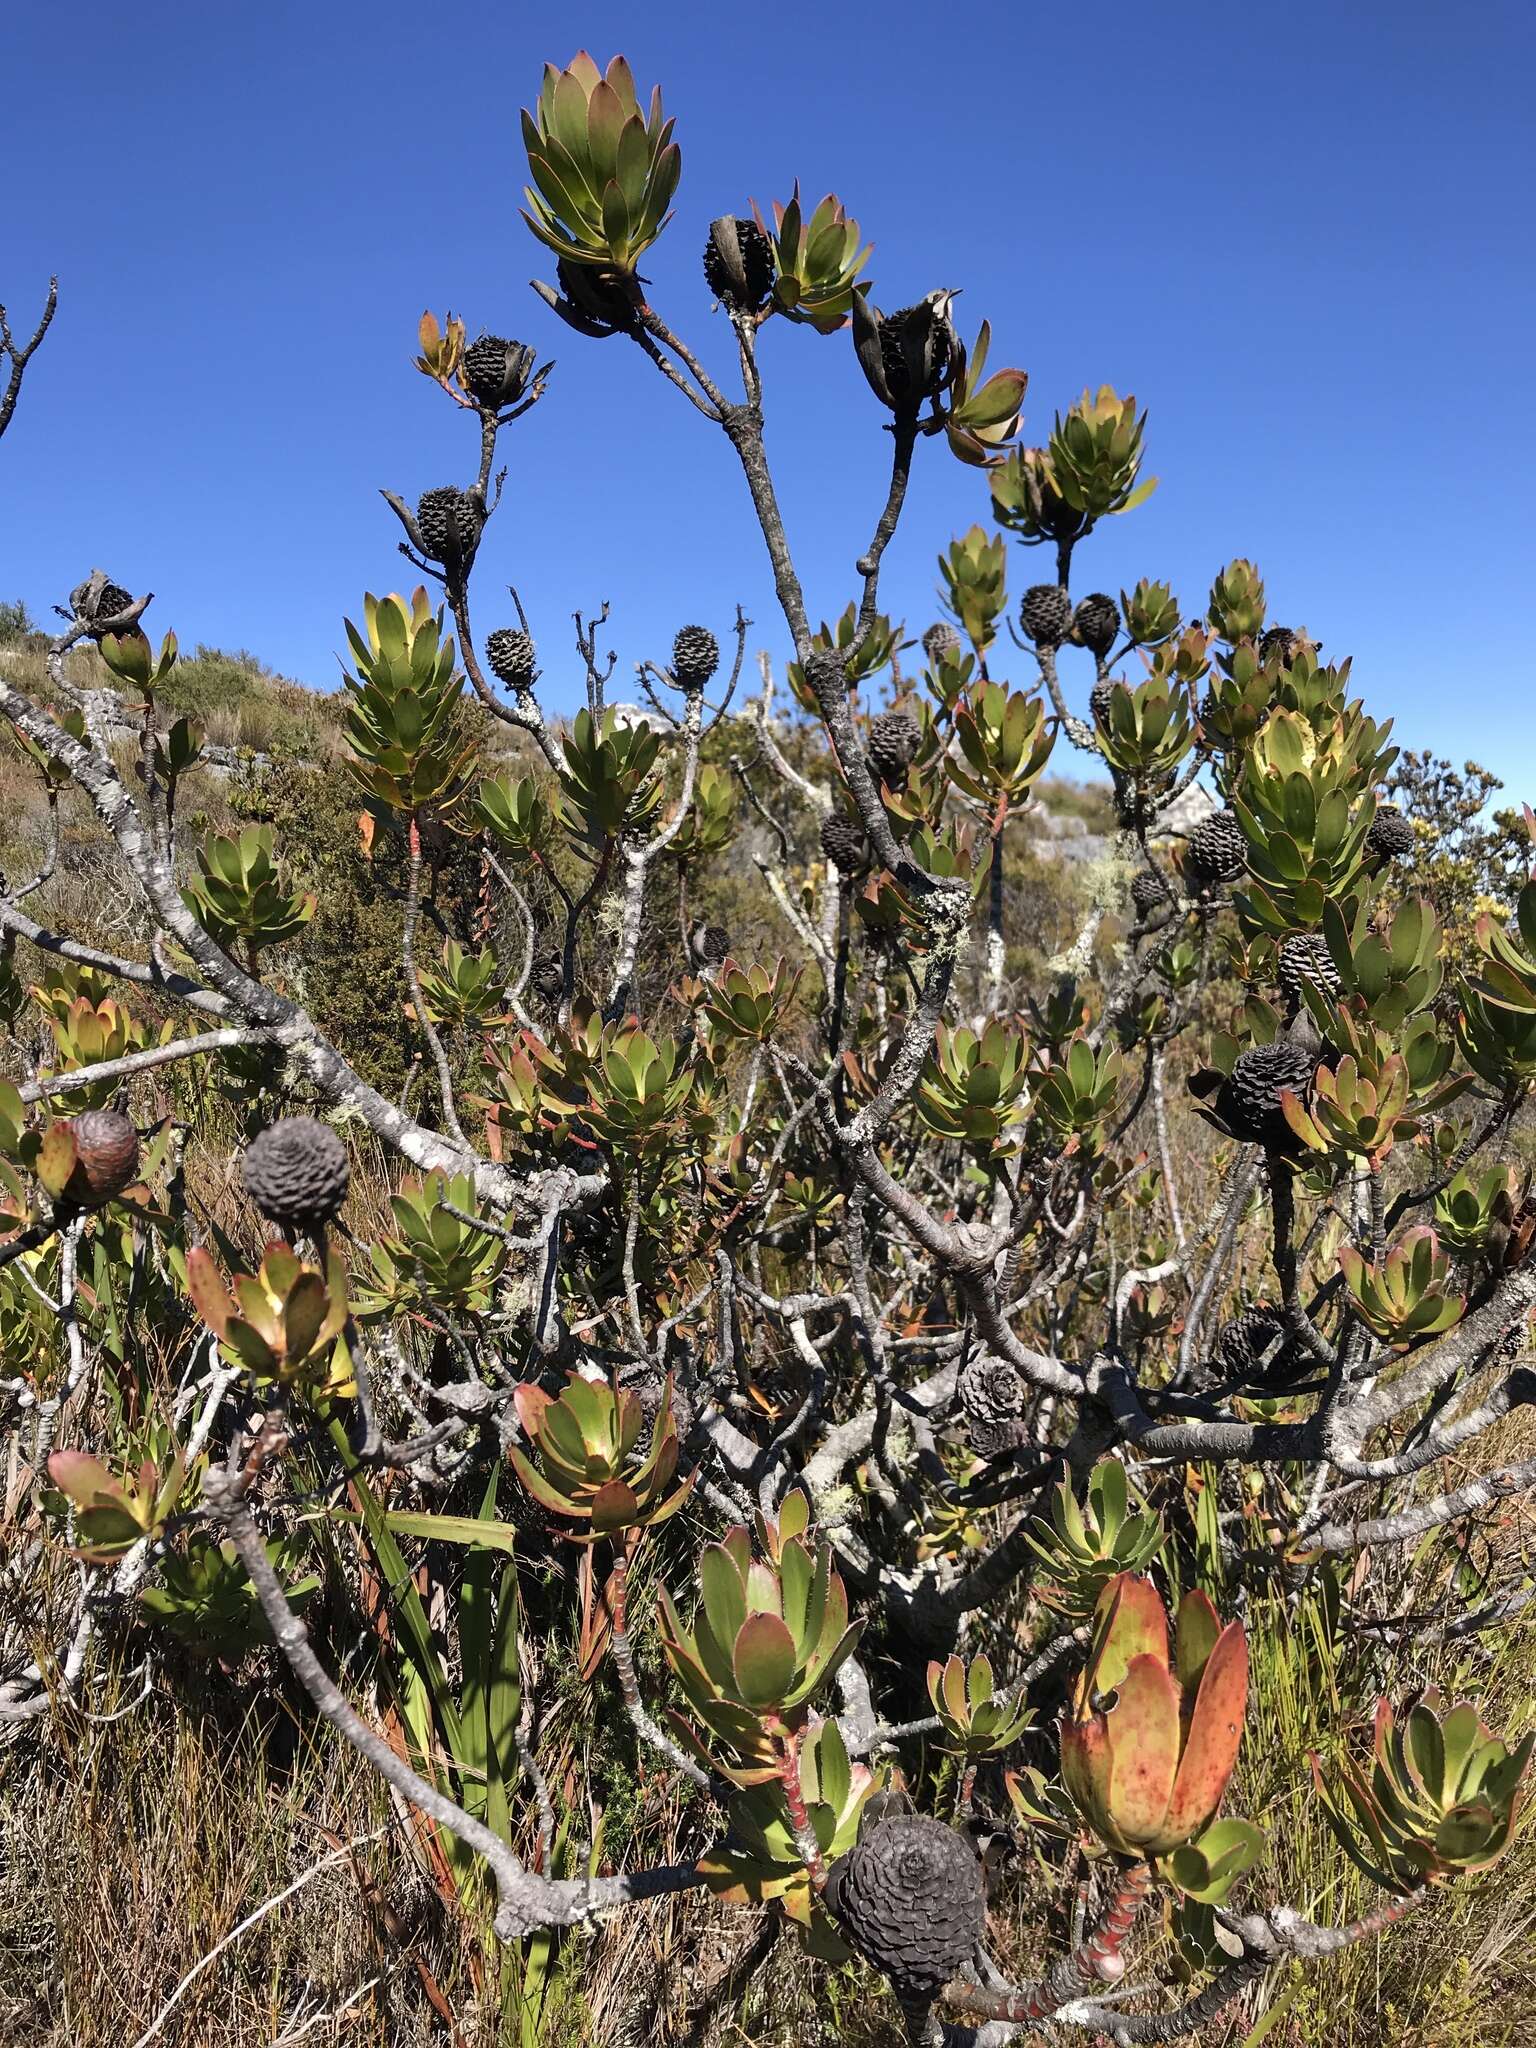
(690, 1249)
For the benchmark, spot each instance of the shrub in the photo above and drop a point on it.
(790, 1296)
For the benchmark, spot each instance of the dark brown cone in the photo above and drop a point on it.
(1244, 1349)
(739, 263)
(1390, 837)
(990, 1390)
(449, 523)
(843, 843)
(547, 976)
(511, 654)
(894, 739)
(695, 656)
(1218, 852)
(1304, 957)
(496, 372)
(1046, 614)
(941, 643)
(106, 1155)
(1096, 622)
(111, 602)
(1249, 1100)
(1147, 893)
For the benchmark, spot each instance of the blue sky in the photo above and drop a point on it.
(1299, 233)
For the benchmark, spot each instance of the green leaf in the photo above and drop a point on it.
(409, 1613)
(763, 1657)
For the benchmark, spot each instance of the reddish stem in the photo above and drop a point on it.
(1099, 1960)
(799, 1819)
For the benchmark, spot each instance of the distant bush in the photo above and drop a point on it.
(16, 622)
(239, 702)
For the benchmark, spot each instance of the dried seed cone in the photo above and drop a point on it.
(911, 1897)
(496, 371)
(1147, 893)
(1250, 1101)
(600, 294)
(713, 944)
(445, 518)
(1046, 614)
(991, 1397)
(894, 738)
(547, 976)
(106, 1155)
(990, 1390)
(1242, 1345)
(296, 1172)
(1391, 836)
(1282, 644)
(111, 602)
(1217, 852)
(695, 656)
(843, 843)
(941, 643)
(738, 263)
(996, 1439)
(1304, 957)
(1096, 622)
(512, 657)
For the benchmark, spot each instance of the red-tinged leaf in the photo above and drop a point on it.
(1143, 1731)
(82, 1477)
(56, 1158)
(530, 1402)
(304, 1314)
(280, 1266)
(614, 1507)
(1215, 1730)
(540, 1488)
(1085, 1766)
(1196, 1632)
(669, 1507)
(954, 1690)
(209, 1295)
(250, 1347)
(1136, 1625)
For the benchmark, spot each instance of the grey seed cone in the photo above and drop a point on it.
(911, 1897)
(296, 1172)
